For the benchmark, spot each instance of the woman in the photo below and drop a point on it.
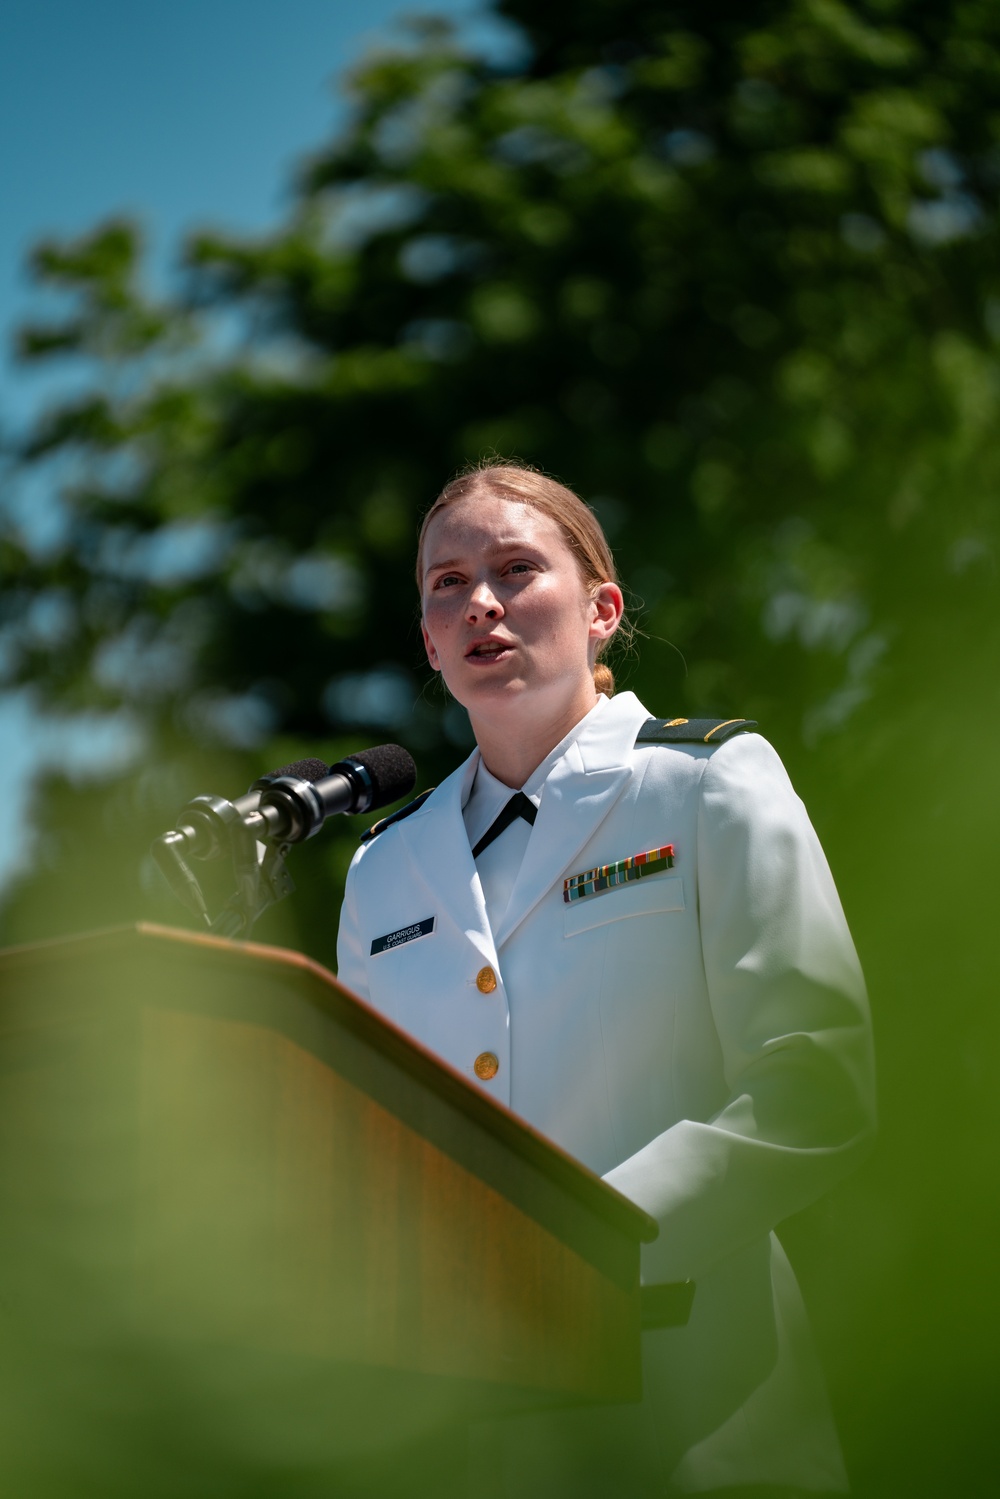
(698, 1035)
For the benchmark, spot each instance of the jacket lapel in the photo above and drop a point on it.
(579, 793)
(438, 847)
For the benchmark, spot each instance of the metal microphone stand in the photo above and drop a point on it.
(257, 831)
(207, 827)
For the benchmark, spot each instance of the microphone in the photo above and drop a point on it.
(294, 806)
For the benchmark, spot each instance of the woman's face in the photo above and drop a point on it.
(507, 618)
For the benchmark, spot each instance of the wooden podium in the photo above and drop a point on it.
(257, 1237)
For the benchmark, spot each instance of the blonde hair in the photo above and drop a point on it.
(579, 525)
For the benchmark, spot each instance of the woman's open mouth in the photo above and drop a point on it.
(487, 652)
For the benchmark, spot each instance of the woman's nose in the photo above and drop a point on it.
(483, 604)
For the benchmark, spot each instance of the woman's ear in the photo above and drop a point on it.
(607, 608)
(432, 654)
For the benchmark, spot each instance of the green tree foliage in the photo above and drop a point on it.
(732, 271)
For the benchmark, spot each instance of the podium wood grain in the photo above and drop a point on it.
(224, 1173)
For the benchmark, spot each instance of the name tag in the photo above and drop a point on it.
(405, 934)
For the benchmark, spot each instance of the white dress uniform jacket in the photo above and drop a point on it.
(699, 1037)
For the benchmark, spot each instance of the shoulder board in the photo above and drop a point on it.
(387, 822)
(692, 730)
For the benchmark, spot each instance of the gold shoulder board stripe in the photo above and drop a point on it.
(715, 729)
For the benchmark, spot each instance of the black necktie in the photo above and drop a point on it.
(518, 806)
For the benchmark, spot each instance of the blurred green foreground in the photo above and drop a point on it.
(732, 272)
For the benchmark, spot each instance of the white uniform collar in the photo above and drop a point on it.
(487, 796)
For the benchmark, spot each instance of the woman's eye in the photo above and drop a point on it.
(447, 580)
(519, 567)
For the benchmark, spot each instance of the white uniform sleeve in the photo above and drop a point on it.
(351, 969)
(789, 1008)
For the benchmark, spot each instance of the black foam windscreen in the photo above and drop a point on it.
(392, 771)
(303, 770)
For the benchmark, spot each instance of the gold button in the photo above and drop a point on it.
(486, 982)
(486, 1065)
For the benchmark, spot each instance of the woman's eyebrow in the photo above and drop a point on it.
(514, 544)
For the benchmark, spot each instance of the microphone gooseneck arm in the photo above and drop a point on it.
(257, 830)
(208, 827)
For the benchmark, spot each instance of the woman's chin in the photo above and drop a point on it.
(493, 688)
(489, 687)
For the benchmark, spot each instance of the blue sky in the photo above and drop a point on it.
(182, 114)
